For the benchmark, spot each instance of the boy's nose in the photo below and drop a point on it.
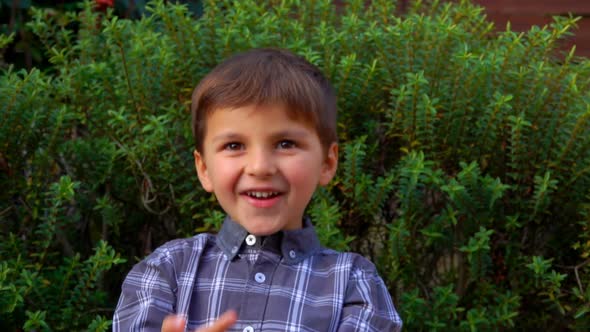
(260, 163)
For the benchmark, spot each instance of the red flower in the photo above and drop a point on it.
(103, 4)
(107, 3)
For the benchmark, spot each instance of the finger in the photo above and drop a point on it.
(173, 323)
(223, 323)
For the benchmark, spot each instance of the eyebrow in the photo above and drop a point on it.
(291, 133)
(228, 136)
(295, 133)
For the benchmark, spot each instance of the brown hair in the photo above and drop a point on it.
(267, 76)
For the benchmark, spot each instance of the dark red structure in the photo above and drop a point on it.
(522, 14)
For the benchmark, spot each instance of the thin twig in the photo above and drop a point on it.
(66, 165)
(578, 280)
(576, 268)
(5, 211)
(123, 58)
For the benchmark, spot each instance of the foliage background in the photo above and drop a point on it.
(465, 172)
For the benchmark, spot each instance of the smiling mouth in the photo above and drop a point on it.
(262, 194)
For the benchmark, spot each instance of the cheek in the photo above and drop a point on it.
(303, 175)
(225, 174)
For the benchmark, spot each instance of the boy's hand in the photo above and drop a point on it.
(176, 323)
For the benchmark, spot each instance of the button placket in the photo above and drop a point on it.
(257, 290)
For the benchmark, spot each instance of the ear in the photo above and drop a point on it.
(202, 172)
(330, 165)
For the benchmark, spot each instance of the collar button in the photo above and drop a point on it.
(250, 240)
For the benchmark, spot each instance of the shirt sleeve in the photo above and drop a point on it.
(148, 295)
(367, 304)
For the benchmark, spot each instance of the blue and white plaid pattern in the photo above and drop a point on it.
(283, 282)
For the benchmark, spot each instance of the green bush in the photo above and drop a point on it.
(26, 50)
(465, 169)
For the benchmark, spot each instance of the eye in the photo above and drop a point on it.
(286, 144)
(233, 146)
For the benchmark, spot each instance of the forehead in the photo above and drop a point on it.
(252, 118)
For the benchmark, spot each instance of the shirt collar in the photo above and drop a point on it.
(294, 246)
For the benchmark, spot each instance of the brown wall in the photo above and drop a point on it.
(522, 14)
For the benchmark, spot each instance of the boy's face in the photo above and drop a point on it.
(263, 166)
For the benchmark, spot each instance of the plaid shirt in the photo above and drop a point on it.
(282, 282)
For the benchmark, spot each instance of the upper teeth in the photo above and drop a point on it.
(261, 194)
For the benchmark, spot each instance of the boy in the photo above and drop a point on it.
(264, 123)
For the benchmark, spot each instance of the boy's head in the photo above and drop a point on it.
(267, 77)
(265, 130)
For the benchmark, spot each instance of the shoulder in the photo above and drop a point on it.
(351, 262)
(179, 250)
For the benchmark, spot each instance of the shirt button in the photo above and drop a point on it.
(292, 254)
(248, 329)
(250, 240)
(260, 278)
